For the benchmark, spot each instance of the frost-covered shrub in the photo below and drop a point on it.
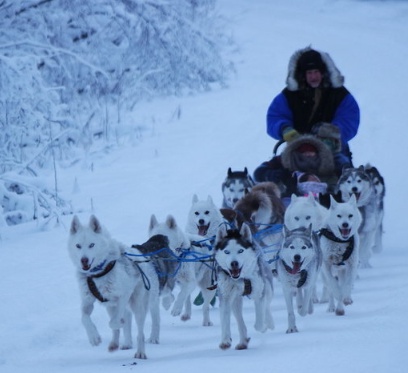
(70, 68)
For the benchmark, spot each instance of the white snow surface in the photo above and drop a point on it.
(186, 154)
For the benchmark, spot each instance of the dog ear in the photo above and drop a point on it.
(75, 225)
(293, 197)
(153, 222)
(229, 171)
(245, 232)
(171, 222)
(333, 202)
(209, 199)
(195, 198)
(94, 224)
(221, 233)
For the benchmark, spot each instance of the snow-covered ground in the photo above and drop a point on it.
(180, 155)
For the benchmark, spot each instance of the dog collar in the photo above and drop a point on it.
(350, 248)
(91, 283)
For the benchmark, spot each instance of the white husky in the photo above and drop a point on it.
(179, 243)
(303, 212)
(357, 182)
(241, 272)
(299, 263)
(107, 275)
(340, 243)
(203, 221)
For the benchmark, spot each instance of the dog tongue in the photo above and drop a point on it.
(296, 267)
(202, 229)
(235, 272)
(345, 232)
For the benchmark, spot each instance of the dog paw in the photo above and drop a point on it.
(140, 355)
(242, 345)
(185, 317)
(126, 347)
(95, 340)
(153, 341)
(347, 301)
(340, 312)
(207, 323)
(113, 346)
(176, 311)
(225, 345)
(293, 329)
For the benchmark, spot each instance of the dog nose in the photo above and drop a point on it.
(234, 265)
(345, 225)
(201, 222)
(84, 261)
(297, 258)
(354, 189)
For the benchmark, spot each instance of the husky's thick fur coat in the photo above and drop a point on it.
(185, 274)
(241, 271)
(203, 221)
(298, 266)
(340, 244)
(106, 275)
(357, 182)
(234, 187)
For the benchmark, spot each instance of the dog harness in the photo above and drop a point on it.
(349, 249)
(91, 283)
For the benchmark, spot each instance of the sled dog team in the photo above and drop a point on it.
(232, 252)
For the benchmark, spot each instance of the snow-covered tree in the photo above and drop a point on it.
(70, 68)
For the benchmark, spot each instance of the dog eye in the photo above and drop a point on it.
(78, 246)
(196, 213)
(308, 217)
(240, 251)
(291, 247)
(207, 212)
(350, 216)
(226, 252)
(91, 245)
(297, 218)
(304, 247)
(339, 216)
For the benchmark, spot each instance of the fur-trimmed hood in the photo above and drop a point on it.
(295, 79)
(326, 167)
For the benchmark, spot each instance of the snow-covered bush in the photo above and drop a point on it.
(69, 69)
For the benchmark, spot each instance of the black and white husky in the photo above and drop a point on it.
(298, 266)
(358, 183)
(241, 271)
(340, 244)
(234, 187)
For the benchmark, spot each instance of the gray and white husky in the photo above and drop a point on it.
(106, 275)
(340, 243)
(358, 183)
(185, 271)
(379, 187)
(298, 266)
(241, 271)
(234, 187)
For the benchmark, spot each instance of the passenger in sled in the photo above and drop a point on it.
(316, 116)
